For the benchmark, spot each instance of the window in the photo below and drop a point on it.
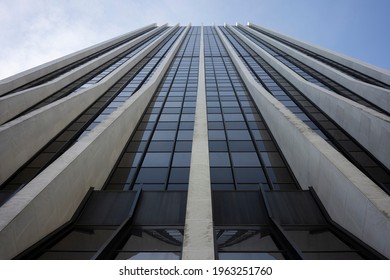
(156, 160)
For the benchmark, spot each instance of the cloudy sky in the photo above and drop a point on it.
(36, 31)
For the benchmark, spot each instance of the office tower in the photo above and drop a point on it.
(189, 142)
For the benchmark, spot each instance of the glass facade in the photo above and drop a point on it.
(309, 112)
(260, 208)
(92, 116)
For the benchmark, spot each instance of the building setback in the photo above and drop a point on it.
(189, 142)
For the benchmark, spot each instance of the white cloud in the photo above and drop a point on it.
(36, 31)
(39, 31)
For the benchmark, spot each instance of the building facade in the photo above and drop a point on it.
(192, 142)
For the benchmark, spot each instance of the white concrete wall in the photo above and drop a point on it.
(13, 104)
(21, 138)
(52, 197)
(351, 199)
(368, 127)
(198, 243)
(360, 66)
(27, 76)
(377, 95)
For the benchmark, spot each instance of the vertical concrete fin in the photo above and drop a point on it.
(376, 95)
(198, 231)
(360, 66)
(341, 109)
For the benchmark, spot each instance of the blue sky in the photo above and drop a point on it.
(36, 31)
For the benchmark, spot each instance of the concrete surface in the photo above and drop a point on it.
(198, 243)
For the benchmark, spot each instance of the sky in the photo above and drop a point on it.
(33, 32)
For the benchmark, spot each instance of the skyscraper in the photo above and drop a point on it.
(215, 142)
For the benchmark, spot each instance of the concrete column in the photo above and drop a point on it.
(362, 67)
(23, 137)
(52, 197)
(377, 95)
(13, 104)
(198, 231)
(27, 76)
(351, 199)
(370, 128)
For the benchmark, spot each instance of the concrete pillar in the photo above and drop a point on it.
(370, 128)
(32, 74)
(376, 95)
(13, 104)
(199, 231)
(52, 197)
(23, 137)
(362, 67)
(351, 199)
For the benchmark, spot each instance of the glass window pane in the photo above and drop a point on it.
(219, 159)
(179, 175)
(241, 146)
(217, 146)
(245, 159)
(249, 175)
(233, 117)
(156, 160)
(221, 175)
(152, 175)
(238, 135)
(164, 135)
(217, 135)
(160, 146)
(215, 125)
(235, 125)
(181, 160)
(185, 135)
(214, 117)
(183, 146)
(169, 117)
(166, 126)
